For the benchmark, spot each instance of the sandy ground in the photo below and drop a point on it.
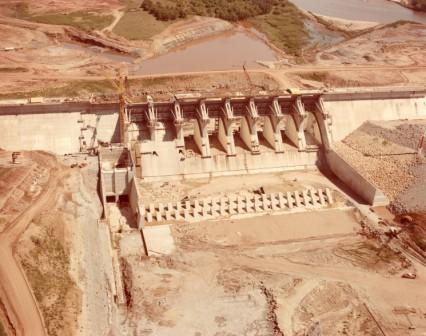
(230, 185)
(402, 44)
(251, 277)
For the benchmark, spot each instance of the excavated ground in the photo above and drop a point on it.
(262, 283)
(295, 274)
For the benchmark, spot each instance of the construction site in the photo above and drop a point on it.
(284, 197)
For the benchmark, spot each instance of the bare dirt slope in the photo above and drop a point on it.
(56, 271)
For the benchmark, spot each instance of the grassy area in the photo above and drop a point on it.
(47, 271)
(84, 20)
(139, 25)
(284, 27)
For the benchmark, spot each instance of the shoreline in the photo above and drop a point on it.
(407, 4)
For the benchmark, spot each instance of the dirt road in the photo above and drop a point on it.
(292, 69)
(15, 292)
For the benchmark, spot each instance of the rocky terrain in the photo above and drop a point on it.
(386, 153)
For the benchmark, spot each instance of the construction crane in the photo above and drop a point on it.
(420, 145)
(121, 85)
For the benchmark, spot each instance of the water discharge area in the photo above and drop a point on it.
(382, 11)
(223, 52)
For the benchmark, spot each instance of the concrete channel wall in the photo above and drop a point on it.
(58, 128)
(359, 184)
(135, 203)
(348, 115)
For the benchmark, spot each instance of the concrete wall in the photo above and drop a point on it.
(56, 127)
(158, 167)
(348, 115)
(347, 174)
(58, 133)
(55, 132)
(136, 203)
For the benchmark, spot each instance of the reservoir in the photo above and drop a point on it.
(224, 52)
(382, 11)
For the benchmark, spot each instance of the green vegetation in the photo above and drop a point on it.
(284, 27)
(230, 10)
(52, 285)
(84, 20)
(280, 21)
(139, 25)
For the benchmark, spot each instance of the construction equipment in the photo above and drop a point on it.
(15, 157)
(420, 145)
(121, 84)
(92, 149)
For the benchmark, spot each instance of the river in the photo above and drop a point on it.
(223, 52)
(382, 11)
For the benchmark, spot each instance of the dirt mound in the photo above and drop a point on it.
(330, 309)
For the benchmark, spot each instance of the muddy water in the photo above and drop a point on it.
(382, 11)
(224, 52)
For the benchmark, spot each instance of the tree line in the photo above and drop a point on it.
(230, 10)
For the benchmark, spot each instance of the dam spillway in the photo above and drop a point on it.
(207, 136)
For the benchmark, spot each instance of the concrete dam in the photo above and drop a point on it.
(210, 136)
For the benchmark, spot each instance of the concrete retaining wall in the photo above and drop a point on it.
(60, 132)
(348, 115)
(135, 205)
(165, 165)
(360, 185)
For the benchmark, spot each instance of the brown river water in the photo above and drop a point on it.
(223, 52)
(234, 50)
(382, 11)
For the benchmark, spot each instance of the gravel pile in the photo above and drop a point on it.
(404, 133)
(382, 156)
